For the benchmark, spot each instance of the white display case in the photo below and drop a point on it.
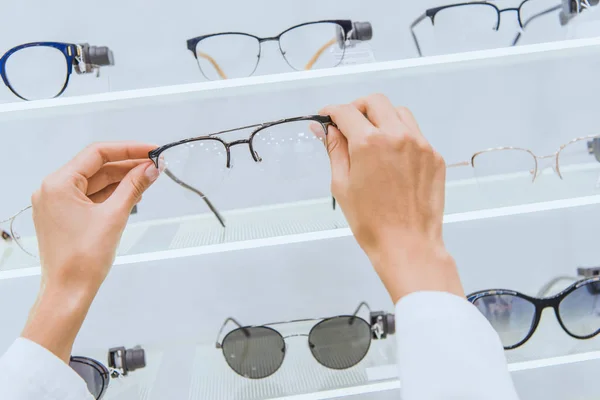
(285, 253)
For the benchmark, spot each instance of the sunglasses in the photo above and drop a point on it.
(97, 376)
(339, 342)
(515, 316)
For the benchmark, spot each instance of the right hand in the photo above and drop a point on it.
(390, 184)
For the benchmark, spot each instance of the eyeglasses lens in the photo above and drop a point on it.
(285, 147)
(37, 72)
(23, 232)
(227, 56)
(580, 310)
(91, 375)
(539, 23)
(579, 168)
(340, 342)
(313, 46)
(465, 28)
(200, 164)
(501, 173)
(255, 352)
(512, 317)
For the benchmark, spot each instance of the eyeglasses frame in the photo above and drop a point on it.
(591, 150)
(69, 50)
(540, 305)
(431, 13)
(12, 235)
(324, 120)
(345, 24)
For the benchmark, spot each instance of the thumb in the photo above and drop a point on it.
(132, 187)
(337, 147)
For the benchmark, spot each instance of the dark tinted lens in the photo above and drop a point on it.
(91, 374)
(580, 310)
(340, 342)
(511, 316)
(254, 352)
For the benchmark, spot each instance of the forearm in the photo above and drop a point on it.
(408, 265)
(57, 316)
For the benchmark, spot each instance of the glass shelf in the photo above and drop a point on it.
(467, 199)
(353, 75)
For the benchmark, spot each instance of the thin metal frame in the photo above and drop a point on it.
(155, 154)
(540, 305)
(13, 236)
(556, 155)
(431, 13)
(345, 25)
(244, 329)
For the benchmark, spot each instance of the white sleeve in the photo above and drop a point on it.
(448, 350)
(30, 372)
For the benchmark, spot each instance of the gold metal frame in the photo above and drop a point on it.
(13, 236)
(535, 157)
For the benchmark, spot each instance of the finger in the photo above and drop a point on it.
(131, 188)
(350, 122)
(101, 195)
(337, 148)
(111, 173)
(407, 117)
(92, 158)
(379, 110)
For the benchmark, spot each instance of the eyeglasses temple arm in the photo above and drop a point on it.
(534, 17)
(459, 164)
(545, 290)
(319, 53)
(228, 320)
(199, 193)
(412, 32)
(214, 63)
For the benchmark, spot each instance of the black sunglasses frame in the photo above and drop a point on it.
(102, 370)
(540, 305)
(154, 155)
(344, 24)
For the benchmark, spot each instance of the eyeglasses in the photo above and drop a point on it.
(41, 70)
(202, 163)
(311, 45)
(97, 376)
(482, 16)
(515, 316)
(339, 342)
(21, 231)
(571, 162)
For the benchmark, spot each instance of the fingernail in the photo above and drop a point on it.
(152, 172)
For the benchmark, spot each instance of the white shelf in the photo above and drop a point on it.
(258, 227)
(204, 374)
(288, 81)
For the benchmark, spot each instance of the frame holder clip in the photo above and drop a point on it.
(382, 324)
(90, 58)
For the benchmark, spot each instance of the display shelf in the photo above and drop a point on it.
(203, 373)
(288, 81)
(305, 221)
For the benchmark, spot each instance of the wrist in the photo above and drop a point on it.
(412, 265)
(56, 317)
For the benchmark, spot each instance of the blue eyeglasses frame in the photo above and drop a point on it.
(69, 50)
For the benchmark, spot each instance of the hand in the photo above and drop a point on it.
(80, 213)
(390, 185)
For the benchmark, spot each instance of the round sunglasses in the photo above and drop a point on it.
(515, 316)
(339, 342)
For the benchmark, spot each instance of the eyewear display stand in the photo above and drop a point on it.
(279, 251)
